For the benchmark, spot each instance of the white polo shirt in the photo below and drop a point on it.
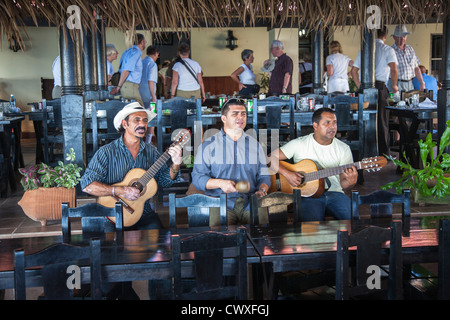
(384, 55)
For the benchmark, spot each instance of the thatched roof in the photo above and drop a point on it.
(181, 15)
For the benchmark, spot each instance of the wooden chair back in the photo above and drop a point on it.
(212, 280)
(198, 209)
(369, 243)
(381, 205)
(93, 219)
(54, 262)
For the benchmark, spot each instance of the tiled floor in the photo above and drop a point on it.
(14, 223)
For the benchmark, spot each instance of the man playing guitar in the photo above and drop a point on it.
(327, 152)
(113, 161)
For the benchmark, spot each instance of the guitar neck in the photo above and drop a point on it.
(154, 169)
(324, 173)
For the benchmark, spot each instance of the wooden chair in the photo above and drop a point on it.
(198, 206)
(368, 262)
(350, 130)
(93, 218)
(103, 135)
(52, 131)
(212, 281)
(275, 206)
(272, 120)
(55, 261)
(381, 203)
(444, 260)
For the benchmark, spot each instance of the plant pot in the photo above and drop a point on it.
(44, 204)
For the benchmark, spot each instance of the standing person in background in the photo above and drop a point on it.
(337, 65)
(408, 62)
(56, 70)
(305, 74)
(280, 81)
(385, 67)
(162, 76)
(131, 71)
(111, 55)
(244, 75)
(149, 79)
(187, 80)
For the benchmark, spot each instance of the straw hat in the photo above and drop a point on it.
(129, 109)
(400, 31)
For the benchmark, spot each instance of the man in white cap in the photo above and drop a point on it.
(113, 161)
(408, 62)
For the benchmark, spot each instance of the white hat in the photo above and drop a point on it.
(129, 109)
(268, 66)
(400, 31)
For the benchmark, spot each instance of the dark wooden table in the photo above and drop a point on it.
(8, 125)
(313, 244)
(143, 255)
(146, 254)
(409, 121)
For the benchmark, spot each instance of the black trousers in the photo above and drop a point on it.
(382, 118)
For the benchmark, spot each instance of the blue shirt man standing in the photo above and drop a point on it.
(130, 69)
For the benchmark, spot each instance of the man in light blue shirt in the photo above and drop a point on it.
(228, 157)
(149, 78)
(130, 69)
(430, 82)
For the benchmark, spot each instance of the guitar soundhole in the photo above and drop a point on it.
(138, 186)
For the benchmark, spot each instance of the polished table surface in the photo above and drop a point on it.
(146, 254)
(313, 244)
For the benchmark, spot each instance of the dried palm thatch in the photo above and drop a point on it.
(181, 15)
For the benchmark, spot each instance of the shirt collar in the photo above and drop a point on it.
(226, 136)
(124, 147)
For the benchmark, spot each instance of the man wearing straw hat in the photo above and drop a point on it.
(408, 62)
(113, 161)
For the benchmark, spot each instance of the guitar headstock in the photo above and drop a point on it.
(373, 164)
(182, 137)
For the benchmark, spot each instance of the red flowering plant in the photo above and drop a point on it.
(41, 175)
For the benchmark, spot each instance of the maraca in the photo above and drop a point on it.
(243, 186)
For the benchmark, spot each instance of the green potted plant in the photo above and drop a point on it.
(46, 188)
(432, 183)
(264, 82)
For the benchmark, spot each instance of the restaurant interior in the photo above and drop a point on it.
(276, 256)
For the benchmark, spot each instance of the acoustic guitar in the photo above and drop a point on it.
(144, 181)
(313, 183)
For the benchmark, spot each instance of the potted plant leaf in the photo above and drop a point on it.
(46, 188)
(431, 184)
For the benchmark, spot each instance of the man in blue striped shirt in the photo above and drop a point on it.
(112, 162)
(228, 157)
